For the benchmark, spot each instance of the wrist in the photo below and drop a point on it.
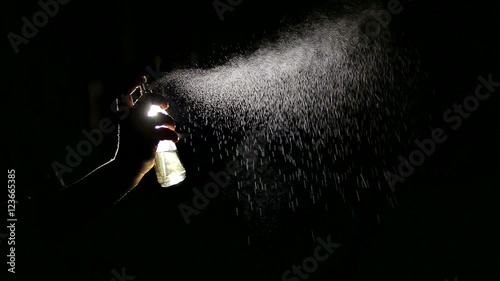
(130, 169)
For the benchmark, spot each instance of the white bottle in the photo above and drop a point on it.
(169, 169)
(168, 166)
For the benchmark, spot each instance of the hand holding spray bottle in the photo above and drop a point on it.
(168, 167)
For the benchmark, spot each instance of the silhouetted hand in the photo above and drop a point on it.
(140, 133)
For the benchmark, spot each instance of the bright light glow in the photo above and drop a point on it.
(166, 145)
(155, 109)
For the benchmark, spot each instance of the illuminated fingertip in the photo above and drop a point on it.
(154, 109)
(169, 126)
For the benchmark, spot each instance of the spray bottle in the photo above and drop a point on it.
(168, 167)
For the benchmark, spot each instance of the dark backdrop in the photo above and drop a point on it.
(60, 82)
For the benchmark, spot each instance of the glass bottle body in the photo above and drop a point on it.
(168, 167)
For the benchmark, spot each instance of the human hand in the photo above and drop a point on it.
(140, 133)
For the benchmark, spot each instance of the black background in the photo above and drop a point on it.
(444, 227)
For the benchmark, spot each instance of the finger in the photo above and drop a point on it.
(132, 99)
(170, 126)
(164, 120)
(158, 99)
(128, 100)
(164, 133)
(140, 80)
